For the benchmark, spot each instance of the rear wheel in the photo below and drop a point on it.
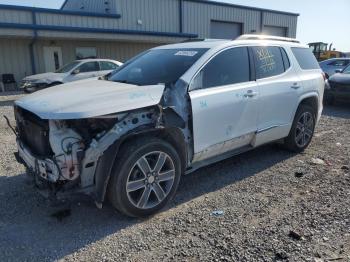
(145, 177)
(302, 129)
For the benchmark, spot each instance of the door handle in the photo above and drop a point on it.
(251, 94)
(295, 86)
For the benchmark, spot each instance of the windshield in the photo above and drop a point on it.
(68, 67)
(157, 66)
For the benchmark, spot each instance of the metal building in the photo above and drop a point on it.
(35, 40)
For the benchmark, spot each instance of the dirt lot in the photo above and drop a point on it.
(277, 206)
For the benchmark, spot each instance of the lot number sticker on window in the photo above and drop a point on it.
(186, 53)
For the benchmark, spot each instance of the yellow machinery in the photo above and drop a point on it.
(322, 52)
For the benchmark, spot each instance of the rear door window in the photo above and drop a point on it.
(227, 68)
(89, 67)
(305, 58)
(268, 61)
(107, 66)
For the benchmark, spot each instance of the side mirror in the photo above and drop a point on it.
(75, 72)
(338, 71)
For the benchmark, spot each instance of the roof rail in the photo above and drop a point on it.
(202, 40)
(267, 37)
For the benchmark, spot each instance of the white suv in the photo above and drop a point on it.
(166, 112)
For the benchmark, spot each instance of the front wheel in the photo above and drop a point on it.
(302, 130)
(145, 177)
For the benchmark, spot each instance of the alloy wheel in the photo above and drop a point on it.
(304, 129)
(150, 180)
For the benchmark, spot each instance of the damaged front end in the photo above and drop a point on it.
(70, 146)
(69, 156)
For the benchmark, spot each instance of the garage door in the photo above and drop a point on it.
(275, 31)
(225, 30)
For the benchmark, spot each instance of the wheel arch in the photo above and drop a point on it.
(311, 100)
(172, 135)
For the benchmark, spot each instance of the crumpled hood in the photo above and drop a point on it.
(340, 78)
(46, 77)
(90, 98)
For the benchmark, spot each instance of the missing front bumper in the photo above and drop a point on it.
(44, 168)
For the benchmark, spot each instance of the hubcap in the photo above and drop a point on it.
(304, 129)
(150, 180)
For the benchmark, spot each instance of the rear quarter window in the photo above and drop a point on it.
(305, 58)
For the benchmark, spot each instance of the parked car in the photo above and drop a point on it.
(330, 66)
(76, 70)
(167, 112)
(338, 86)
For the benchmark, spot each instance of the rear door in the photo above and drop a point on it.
(224, 104)
(279, 87)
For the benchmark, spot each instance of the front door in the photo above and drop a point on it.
(224, 104)
(52, 58)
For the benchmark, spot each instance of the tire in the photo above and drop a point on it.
(138, 188)
(302, 130)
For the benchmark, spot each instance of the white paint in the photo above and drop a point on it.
(223, 113)
(90, 98)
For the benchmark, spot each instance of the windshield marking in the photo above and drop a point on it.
(186, 53)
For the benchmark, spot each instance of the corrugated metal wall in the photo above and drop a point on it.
(282, 20)
(76, 21)
(142, 15)
(155, 15)
(15, 16)
(92, 6)
(197, 17)
(14, 57)
(120, 51)
(163, 16)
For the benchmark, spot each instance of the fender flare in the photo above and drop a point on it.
(302, 98)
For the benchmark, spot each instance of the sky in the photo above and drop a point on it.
(319, 21)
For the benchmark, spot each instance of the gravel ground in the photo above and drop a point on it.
(277, 206)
